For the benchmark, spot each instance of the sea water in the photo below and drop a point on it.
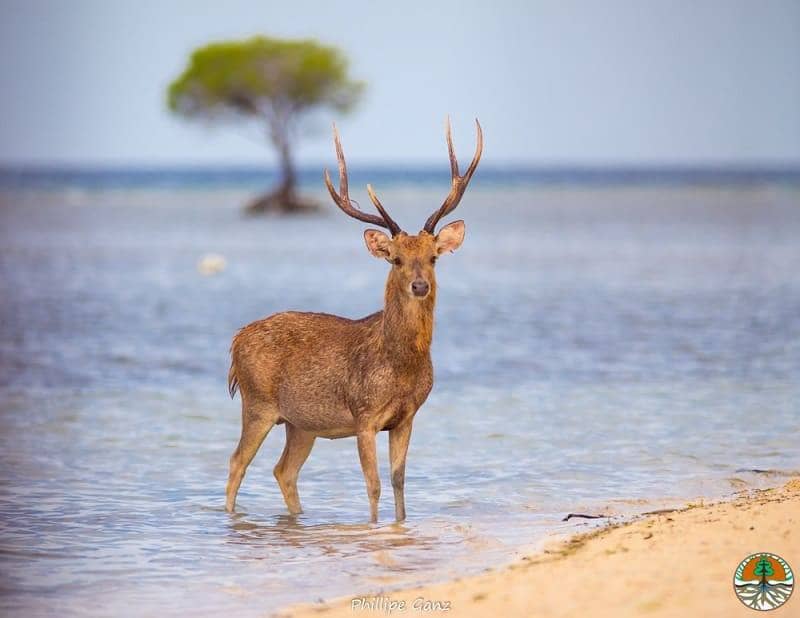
(597, 349)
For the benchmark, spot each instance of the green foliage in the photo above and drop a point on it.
(270, 81)
(263, 77)
(764, 568)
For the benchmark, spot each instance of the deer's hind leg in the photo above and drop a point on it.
(298, 445)
(257, 419)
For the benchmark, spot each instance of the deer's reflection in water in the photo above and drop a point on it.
(382, 544)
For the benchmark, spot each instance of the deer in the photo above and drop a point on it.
(325, 376)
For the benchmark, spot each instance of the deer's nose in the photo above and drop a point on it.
(420, 287)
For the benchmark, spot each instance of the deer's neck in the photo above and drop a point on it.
(407, 323)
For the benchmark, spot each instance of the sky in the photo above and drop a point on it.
(618, 82)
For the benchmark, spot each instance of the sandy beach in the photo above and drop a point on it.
(674, 563)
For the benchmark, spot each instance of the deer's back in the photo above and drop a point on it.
(312, 365)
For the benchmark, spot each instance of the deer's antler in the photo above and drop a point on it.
(342, 198)
(459, 183)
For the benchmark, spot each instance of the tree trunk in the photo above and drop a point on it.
(284, 198)
(288, 176)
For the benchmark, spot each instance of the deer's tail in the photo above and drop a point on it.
(233, 381)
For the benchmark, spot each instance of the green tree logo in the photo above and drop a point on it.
(764, 568)
(763, 581)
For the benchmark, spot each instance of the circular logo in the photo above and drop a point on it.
(763, 581)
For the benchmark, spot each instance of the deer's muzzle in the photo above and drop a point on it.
(420, 288)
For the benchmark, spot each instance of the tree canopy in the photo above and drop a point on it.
(271, 81)
(263, 76)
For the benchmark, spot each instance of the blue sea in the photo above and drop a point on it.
(607, 341)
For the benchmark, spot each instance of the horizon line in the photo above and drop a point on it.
(384, 167)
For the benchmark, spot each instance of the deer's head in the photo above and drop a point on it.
(412, 256)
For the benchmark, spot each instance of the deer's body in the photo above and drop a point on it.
(331, 377)
(286, 359)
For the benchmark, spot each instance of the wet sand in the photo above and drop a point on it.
(676, 563)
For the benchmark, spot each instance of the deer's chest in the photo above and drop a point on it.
(391, 396)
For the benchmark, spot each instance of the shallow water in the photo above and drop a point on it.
(596, 349)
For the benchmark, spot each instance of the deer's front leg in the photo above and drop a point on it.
(369, 466)
(399, 437)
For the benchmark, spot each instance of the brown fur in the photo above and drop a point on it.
(332, 377)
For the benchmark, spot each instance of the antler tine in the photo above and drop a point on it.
(390, 223)
(337, 142)
(451, 151)
(342, 197)
(459, 183)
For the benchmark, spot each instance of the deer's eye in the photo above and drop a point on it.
(397, 261)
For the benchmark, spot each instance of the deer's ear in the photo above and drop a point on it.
(378, 243)
(450, 237)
